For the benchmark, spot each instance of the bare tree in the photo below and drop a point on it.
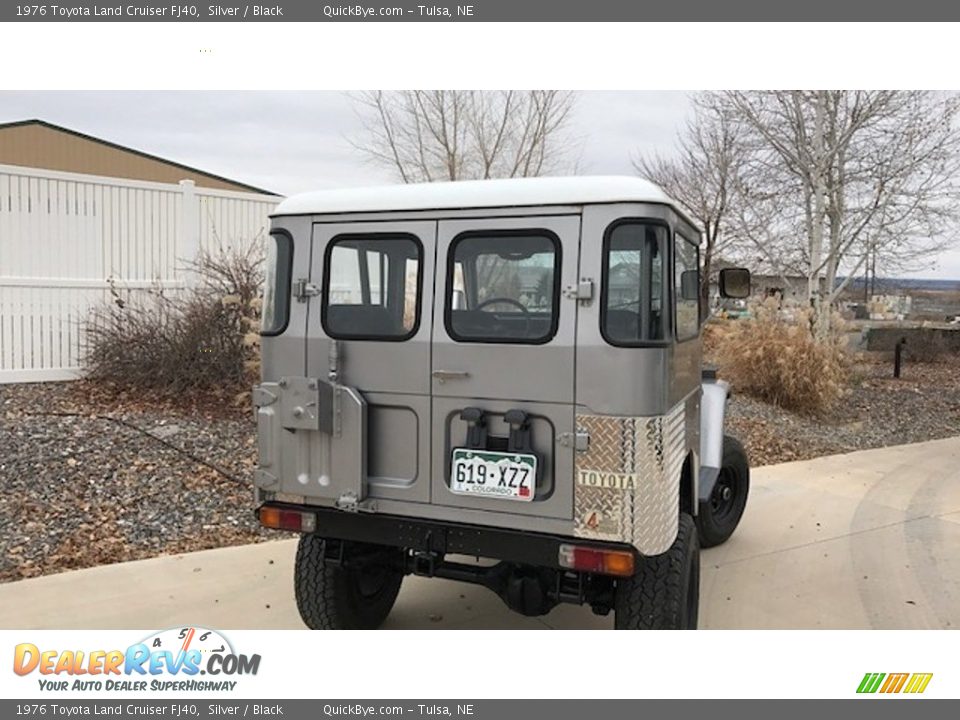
(833, 178)
(434, 135)
(702, 176)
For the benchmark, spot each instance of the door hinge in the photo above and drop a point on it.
(581, 292)
(263, 397)
(265, 480)
(579, 440)
(349, 502)
(303, 289)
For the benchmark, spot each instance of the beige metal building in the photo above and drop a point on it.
(39, 144)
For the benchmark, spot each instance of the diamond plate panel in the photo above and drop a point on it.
(628, 481)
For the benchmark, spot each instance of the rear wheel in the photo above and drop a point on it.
(664, 593)
(356, 596)
(720, 514)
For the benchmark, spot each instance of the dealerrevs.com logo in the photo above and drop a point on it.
(168, 660)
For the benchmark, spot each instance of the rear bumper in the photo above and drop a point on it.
(433, 536)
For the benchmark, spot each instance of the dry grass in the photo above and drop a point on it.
(780, 362)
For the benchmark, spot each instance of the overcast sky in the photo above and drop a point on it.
(294, 141)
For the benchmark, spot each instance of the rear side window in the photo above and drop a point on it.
(371, 287)
(503, 287)
(632, 293)
(686, 287)
(276, 285)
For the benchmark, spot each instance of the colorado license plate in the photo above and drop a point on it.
(512, 476)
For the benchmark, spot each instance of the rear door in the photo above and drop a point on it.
(376, 301)
(503, 350)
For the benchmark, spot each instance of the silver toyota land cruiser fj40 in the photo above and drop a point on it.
(500, 369)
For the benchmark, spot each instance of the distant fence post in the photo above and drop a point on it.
(189, 228)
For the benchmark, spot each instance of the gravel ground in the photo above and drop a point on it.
(82, 490)
(79, 489)
(924, 404)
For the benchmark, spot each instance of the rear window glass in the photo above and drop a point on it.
(503, 287)
(276, 287)
(686, 286)
(372, 287)
(632, 296)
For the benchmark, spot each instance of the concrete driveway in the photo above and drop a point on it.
(865, 540)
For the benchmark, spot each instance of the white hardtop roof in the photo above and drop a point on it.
(467, 194)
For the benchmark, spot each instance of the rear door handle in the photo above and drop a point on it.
(444, 375)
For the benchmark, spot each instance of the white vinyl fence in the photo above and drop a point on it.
(65, 237)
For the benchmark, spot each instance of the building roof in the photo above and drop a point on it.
(68, 150)
(469, 194)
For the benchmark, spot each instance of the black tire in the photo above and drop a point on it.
(720, 514)
(356, 597)
(664, 593)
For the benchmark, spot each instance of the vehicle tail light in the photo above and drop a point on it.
(596, 560)
(284, 519)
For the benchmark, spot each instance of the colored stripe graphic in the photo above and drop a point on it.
(918, 682)
(894, 683)
(870, 682)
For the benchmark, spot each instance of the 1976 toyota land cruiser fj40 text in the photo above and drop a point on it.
(501, 369)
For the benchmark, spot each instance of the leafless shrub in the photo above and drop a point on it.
(202, 339)
(781, 362)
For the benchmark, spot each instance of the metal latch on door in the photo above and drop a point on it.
(304, 289)
(310, 404)
(581, 291)
(579, 440)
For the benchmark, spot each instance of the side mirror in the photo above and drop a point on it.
(690, 285)
(735, 283)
